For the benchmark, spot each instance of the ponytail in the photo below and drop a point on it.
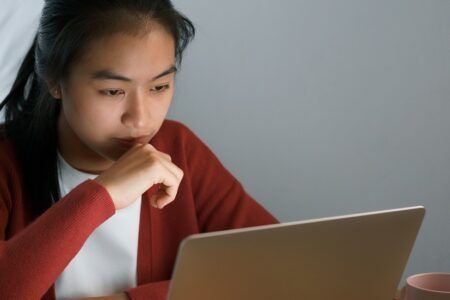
(20, 91)
(30, 125)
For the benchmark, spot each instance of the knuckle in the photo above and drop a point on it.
(147, 148)
(152, 155)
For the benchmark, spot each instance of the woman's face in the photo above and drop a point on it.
(121, 88)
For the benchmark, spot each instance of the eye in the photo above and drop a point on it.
(112, 92)
(160, 88)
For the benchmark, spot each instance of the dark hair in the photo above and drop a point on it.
(65, 29)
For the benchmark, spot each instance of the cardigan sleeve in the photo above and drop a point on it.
(31, 260)
(221, 201)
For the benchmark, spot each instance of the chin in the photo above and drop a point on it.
(110, 153)
(115, 155)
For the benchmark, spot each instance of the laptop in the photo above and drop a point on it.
(351, 257)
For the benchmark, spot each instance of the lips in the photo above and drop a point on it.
(129, 142)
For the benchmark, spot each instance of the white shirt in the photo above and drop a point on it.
(106, 264)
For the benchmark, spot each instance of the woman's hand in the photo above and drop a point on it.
(138, 170)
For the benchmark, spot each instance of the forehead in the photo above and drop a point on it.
(136, 56)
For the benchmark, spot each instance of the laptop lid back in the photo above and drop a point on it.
(360, 256)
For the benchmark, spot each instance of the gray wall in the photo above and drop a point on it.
(326, 107)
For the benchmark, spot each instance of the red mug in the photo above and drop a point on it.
(427, 286)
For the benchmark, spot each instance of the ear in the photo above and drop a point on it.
(54, 89)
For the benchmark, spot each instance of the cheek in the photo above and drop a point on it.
(87, 116)
(167, 101)
(157, 107)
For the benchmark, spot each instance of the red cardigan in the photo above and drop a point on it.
(34, 253)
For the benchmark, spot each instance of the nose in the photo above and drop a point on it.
(136, 114)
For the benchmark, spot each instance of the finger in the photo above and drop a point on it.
(133, 149)
(153, 149)
(168, 187)
(167, 164)
(163, 155)
(177, 172)
(165, 194)
(166, 156)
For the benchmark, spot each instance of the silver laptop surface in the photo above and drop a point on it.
(360, 256)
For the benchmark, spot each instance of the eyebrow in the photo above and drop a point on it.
(107, 74)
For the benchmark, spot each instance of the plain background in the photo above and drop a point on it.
(318, 107)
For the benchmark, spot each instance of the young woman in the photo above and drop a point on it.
(97, 189)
